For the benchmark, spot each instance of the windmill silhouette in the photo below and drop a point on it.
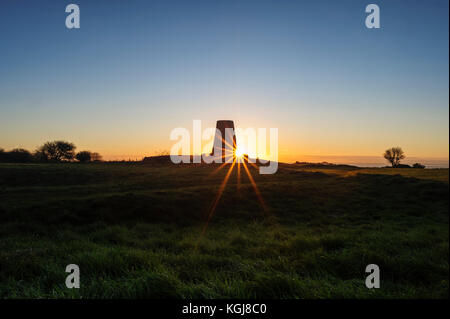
(224, 140)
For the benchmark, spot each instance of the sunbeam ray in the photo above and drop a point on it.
(255, 187)
(215, 202)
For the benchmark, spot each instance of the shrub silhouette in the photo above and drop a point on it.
(402, 166)
(17, 155)
(418, 165)
(84, 156)
(394, 155)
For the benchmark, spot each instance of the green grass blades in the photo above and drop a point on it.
(135, 231)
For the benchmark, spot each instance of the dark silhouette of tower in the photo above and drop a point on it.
(227, 135)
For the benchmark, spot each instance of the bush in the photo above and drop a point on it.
(87, 156)
(83, 156)
(418, 165)
(17, 155)
(402, 166)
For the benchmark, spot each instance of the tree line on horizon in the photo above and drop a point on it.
(62, 151)
(49, 152)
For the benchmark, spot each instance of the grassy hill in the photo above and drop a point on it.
(135, 230)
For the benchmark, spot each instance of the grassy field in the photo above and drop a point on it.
(136, 231)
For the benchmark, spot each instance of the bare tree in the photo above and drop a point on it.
(394, 155)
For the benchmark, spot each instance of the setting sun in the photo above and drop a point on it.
(239, 151)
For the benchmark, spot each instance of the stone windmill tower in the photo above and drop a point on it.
(225, 142)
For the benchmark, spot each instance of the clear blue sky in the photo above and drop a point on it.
(137, 69)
